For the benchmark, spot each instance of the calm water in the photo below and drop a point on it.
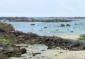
(53, 28)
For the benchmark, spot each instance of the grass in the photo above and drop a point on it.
(4, 40)
(82, 38)
(9, 40)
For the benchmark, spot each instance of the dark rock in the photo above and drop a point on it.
(76, 24)
(34, 54)
(11, 50)
(71, 31)
(2, 56)
(32, 35)
(68, 25)
(45, 27)
(18, 33)
(62, 25)
(23, 50)
(32, 24)
(70, 44)
(1, 30)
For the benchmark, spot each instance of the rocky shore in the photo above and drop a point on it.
(9, 37)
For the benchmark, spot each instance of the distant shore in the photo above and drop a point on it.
(34, 19)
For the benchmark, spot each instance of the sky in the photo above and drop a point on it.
(42, 8)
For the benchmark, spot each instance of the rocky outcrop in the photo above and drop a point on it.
(53, 42)
(7, 50)
(4, 27)
(62, 25)
(8, 37)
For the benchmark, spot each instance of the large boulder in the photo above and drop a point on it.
(4, 27)
(7, 50)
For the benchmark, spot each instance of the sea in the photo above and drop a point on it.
(77, 26)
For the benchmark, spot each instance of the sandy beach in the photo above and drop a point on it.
(71, 36)
(41, 52)
(72, 55)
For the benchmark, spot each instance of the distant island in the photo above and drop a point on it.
(35, 19)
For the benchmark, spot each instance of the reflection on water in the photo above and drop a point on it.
(51, 28)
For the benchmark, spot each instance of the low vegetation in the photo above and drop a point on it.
(82, 37)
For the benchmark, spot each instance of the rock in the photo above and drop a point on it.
(4, 27)
(8, 48)
(68, 25)
(32, 24)
(62, 25)
(69, 44)
(32, 35)
(18, 33)
(45, 27)
(23, 50)
(76, 24)
(11, 50)
(71, 31)
(1, 49)
(2, 56)
(34, 54)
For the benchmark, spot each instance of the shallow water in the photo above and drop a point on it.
(53, 28)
